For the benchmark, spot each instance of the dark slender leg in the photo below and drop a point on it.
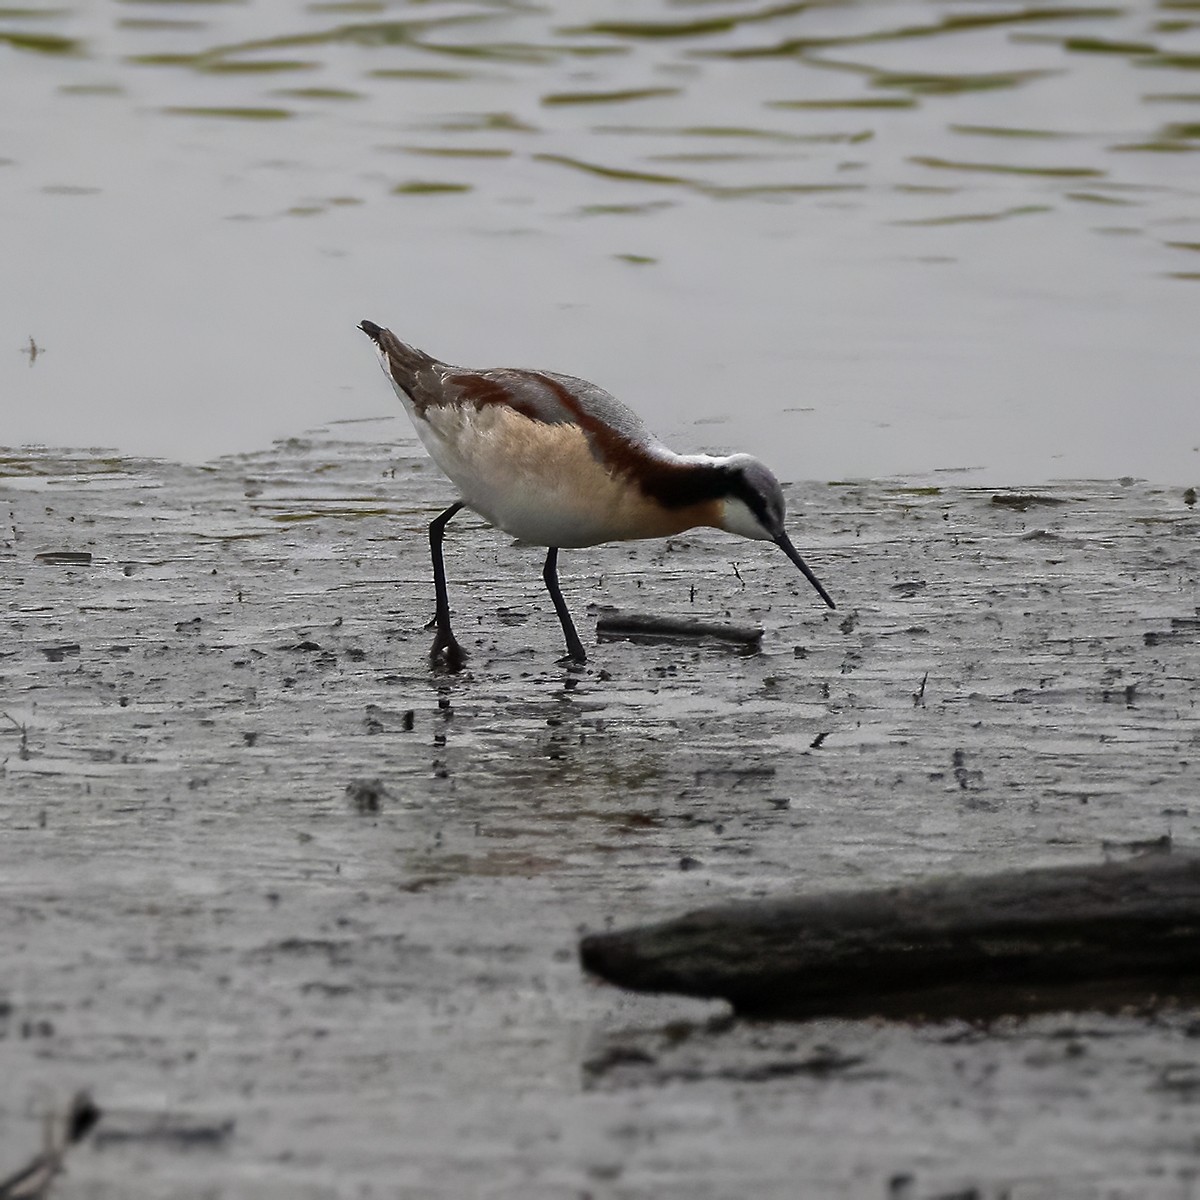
(445, 648)
(550, 576)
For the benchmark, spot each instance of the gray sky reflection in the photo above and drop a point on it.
(958, 251)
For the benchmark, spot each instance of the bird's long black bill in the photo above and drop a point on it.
(786, 546)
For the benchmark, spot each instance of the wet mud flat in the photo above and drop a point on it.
(303, 917)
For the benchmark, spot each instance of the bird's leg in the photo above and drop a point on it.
(550, 576)
(446, 650)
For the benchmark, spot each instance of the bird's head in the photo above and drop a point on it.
(753, 507)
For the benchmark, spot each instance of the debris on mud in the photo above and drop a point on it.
(636, 627)
(970, 948)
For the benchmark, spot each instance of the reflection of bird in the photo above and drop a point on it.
(558, 462)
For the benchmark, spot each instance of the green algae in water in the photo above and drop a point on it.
(91, 89)
(158, 25)
(163, 60)
(1094, 45)
(623, 210)
(856, 102)
(750, 191)
(951, 24)
(429, 187)
(486, 122)
(41, 43)
(1005, 131)
(236, 114)
(318, 93)
(433, 74)
(1020, 210)
(623, 173)
(1098, 198)
(261, 67)
(726, 132)
(1185, 62)
(361, 7)
(947, 164)
(688, 27)
(623, 96)
(944, 85)
(459, 151)
(1160, 146)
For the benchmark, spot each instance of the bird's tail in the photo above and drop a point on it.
(402, 362)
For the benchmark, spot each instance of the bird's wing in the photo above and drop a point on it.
(547, 397)
(616, 434)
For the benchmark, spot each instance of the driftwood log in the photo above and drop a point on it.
(1091, 937)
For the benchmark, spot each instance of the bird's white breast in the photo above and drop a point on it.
(539, 482)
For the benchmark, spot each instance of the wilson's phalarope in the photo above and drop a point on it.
(558, 462)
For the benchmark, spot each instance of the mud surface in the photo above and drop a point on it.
(304, 917)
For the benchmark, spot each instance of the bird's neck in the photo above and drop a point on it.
(680, 480)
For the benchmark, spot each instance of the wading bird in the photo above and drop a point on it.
(558, 462)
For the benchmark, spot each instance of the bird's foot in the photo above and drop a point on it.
(575, 658)
(447, 655)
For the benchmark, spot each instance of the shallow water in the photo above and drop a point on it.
(274, 989)
(859, 239)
